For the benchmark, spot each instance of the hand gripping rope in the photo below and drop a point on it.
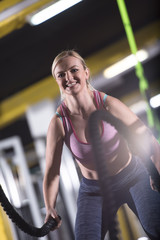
(100, 162)
(104, 179)
(21, 223)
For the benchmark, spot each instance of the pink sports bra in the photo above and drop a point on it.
(110, 138)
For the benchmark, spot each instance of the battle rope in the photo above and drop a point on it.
(100, 162)
(127, 134)
(21, 223)
(104, 179)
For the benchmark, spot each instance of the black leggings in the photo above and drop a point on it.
(130, 186)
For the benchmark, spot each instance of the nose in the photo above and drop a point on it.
(69, 76)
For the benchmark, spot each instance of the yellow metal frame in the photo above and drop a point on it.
(16, 105)
(18, 20)
(5, 229)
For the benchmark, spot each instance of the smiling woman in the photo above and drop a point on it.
(60, 73)
(129, 179)
(70, 74)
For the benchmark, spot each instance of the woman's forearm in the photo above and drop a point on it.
(50, 191)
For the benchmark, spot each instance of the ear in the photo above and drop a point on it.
(87, 73)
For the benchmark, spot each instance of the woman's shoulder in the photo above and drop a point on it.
(105, 99)
(56, 125)
(109, 99)
(110, 102)
(59, 113)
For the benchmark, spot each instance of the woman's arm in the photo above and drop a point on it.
(140, 135)
(54, 146)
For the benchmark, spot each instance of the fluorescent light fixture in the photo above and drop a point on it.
(143, 238)
(125, 64)
(155, 101)
(51, 11)
(16, 8)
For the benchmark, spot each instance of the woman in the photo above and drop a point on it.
(130, 182)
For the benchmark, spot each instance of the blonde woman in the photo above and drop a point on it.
(130, 181)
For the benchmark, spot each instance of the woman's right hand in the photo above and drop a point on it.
(52, 213)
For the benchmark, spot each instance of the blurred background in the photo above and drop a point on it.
(29, 95)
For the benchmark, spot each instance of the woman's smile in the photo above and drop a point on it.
(70, 85)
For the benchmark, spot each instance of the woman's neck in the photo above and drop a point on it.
(80, 103)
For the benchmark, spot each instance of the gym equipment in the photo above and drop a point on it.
(21, 223)
(100, 162)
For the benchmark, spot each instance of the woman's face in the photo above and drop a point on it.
(71, 75)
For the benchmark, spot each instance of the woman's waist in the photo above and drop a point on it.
(129, 175)
(117, 163)
(113, 166)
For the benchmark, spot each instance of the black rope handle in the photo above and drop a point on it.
(21, 223)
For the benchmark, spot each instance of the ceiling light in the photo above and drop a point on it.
(51, 11)
(125, 64)
(155, 101)
(143, 238)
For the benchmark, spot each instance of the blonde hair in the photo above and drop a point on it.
(68, 53)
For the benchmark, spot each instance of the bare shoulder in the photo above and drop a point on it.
(55, 128)
(120, 110)
(110, 101)
(114, 103)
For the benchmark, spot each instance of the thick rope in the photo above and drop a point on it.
(104, 179)
(21, 223)
(100, 162)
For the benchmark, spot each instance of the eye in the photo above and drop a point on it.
(73, 70)
(60, 75)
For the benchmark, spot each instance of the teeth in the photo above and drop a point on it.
(71, 84)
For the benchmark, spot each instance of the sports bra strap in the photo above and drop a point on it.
(59, 115)
(104, 99)
(99, 101)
